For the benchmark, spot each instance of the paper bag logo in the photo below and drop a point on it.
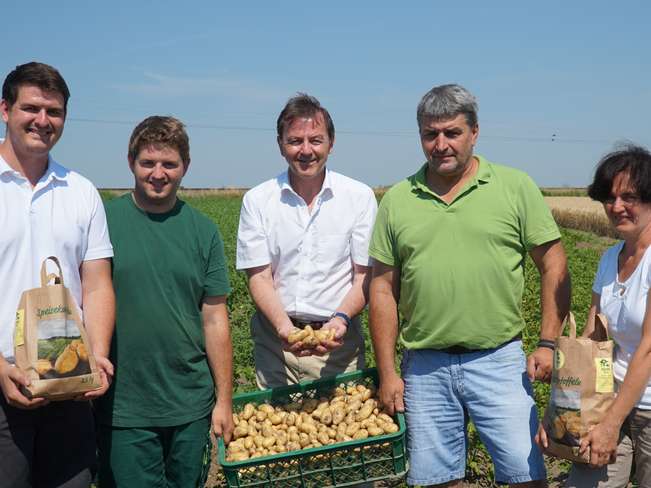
(19, 330)
(559, 359)
(42, 312)
(604, 377)
(566, 381)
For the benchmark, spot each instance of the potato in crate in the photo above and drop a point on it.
(328, 432)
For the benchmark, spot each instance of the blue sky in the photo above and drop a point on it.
(558, 83)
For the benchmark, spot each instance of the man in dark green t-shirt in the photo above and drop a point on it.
(171, 347)
(449, 245)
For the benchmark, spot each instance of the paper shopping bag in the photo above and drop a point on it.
(582, 389)
(50, 341)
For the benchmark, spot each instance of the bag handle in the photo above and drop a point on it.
(572, 324)
(600, 332)
(45, 277)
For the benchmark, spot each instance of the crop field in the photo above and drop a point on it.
(580, 212)
(583, 250)
(564, 191)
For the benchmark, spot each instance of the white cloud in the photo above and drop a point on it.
(163, 85)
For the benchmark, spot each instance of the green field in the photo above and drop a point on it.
(583, 251)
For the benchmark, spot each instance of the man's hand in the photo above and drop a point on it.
(297, 348)
(391, 394)
(340, 327)
(284, 331)
(222, 421)
(539, 364)
(301, 349)
(106, 371)
(541, 437)
(602, 441)
(11, 379)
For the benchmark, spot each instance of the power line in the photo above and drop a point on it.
(194, 126)
(393, 133)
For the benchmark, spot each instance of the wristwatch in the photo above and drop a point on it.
(342, 315)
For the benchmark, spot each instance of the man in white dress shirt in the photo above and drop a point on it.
(303, 242)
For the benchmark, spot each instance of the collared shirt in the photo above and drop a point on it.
(311, 253)
(61, 216)
(462, 263)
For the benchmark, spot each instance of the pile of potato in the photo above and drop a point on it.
(350, 413)
(310, 337)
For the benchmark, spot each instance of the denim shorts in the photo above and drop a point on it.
(489, 387)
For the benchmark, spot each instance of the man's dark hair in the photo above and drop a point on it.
(303, 106)
(37, 74)
(630, 159)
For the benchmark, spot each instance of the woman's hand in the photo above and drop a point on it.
(602, 442)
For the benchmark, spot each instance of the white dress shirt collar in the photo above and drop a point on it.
(53, 171)
(286, 186)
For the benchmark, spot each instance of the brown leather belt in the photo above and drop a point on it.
(465, 350)
(301, 324)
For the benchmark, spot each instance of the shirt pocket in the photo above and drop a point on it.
(333, 249)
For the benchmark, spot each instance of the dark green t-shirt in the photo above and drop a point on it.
(164, 265)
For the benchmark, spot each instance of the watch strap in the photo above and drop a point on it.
(547, 343)
(342, 315)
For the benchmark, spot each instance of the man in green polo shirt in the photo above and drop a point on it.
(171, 347)
(449, 246)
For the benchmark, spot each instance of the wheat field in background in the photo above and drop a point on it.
(580, 213)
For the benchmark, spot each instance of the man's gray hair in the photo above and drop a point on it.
(446, 102)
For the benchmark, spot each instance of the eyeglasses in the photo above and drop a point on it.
(627, 199)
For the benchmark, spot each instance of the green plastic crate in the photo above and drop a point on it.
(340, 464)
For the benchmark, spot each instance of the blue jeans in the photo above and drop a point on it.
(491, 388)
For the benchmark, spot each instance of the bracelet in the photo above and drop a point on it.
(342, 315)
(547, 343)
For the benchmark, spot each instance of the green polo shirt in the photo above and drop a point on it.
(462, 264)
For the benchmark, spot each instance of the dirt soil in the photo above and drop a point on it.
(556, 474)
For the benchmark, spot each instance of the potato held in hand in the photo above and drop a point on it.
(311, 338)
(299, 335)
(325, 335)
